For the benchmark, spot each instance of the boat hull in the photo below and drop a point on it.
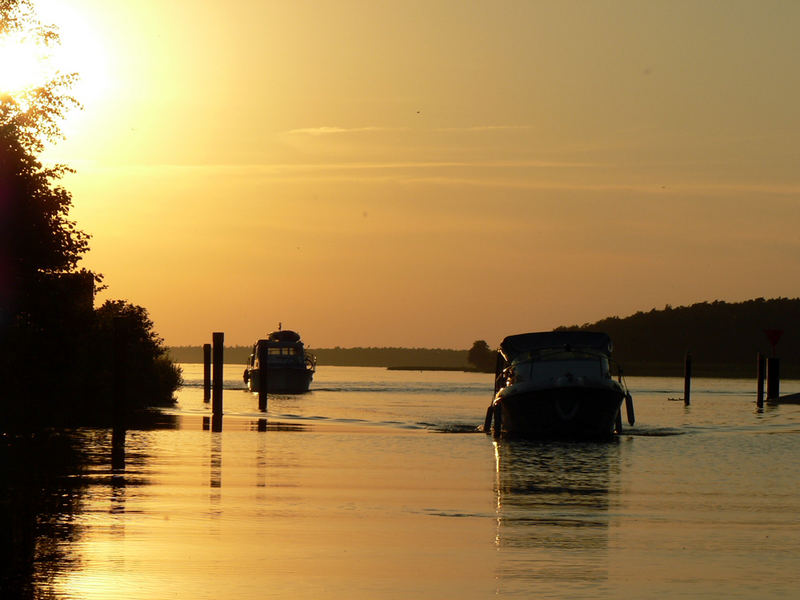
(578, 412)
(281, 380)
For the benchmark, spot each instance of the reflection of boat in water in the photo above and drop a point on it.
(554, 484)
(290, 367)
(554, 509)
(557, 384)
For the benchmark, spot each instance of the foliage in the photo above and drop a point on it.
(36, 235)
(482, 357)
(34, 113)
(150, 377)
(55, 350)
(723, 338)
(346, 357)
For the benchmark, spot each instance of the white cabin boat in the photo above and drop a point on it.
(557, 384)
(289, 366)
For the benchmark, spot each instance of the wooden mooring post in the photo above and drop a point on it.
(773, 365)
(120, 370)
(263, 376)
(218, 339)
(773, 378)
(760, 373)
(687, 379)
(206, 372)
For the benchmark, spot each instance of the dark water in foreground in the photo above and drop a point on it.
(376, 485)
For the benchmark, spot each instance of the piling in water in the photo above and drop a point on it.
(216, 422)
(120, 356)
(218, 339)
(687, 379)
(206, 372)
(761, 368)
(773, 378)
(263, 376)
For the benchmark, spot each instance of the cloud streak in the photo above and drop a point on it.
(483, 128)
(335, 130)
(326, 130)
(500, 174)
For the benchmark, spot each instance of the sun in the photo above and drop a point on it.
(23, 64)
(81, 49)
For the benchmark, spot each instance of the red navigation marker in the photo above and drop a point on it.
(774, 336)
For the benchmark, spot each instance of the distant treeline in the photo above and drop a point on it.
(723, 338)
(346, 357)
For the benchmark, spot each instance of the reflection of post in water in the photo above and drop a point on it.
(553, 510)
(216, 461)
(261, 459)
(118, 471)
(118, 451)
(214, 423)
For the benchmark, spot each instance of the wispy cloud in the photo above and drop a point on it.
(335, 130)
(316, 131)
(487, 174)
(428, 165)
(482, 128)
(324, 167)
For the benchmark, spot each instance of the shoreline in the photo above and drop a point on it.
(427, 368)
(699, 371)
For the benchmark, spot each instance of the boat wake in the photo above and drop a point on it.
(651, 431)
(398, 388)
(453, 428)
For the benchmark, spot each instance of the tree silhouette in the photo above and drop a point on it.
(49, 331)
(482, 357)
(37, 239)
(723, 337)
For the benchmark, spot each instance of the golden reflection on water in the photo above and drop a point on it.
(553, 513)
(321, 505)
(289, 511)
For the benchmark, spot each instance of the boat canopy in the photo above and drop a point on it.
(278, 340)
(285, 335)
(514, 345)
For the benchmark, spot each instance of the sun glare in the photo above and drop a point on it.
(82, 49)
(24, 64)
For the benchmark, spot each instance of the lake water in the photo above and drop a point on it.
(376, 485)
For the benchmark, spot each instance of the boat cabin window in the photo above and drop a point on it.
(559, 363)
(282, 351)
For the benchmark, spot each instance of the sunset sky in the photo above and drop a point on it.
(431, 173)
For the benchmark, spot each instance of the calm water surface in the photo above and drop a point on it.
(377, 485)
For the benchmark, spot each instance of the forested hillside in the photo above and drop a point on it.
(722, 337)
(355, 357)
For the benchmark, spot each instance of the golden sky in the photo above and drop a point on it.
(431, 173)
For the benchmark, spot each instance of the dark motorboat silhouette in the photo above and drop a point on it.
(290, 367)
(557, 384)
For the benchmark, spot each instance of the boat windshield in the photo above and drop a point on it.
(290, 351)
(546, 364)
